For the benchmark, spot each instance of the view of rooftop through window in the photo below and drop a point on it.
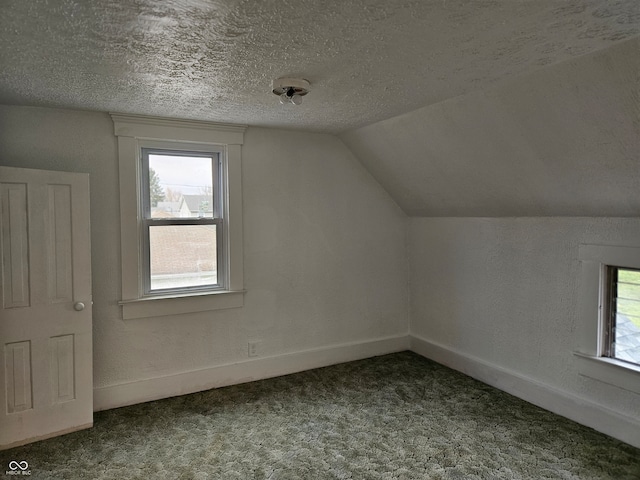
(180, 186)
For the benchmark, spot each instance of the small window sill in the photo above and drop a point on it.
(611, 371)
(180, 304)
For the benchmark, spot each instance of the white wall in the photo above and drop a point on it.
(498, 298)
(324, 260)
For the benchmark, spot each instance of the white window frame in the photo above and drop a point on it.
(219, 218)
(592, 321)
(137, 131)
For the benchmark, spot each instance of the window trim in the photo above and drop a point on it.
(590, 349)
(136, 131)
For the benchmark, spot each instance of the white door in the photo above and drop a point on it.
(46, 378)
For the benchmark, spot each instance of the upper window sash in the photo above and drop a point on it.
(218, 180)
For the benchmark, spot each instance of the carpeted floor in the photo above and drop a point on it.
(393, 417)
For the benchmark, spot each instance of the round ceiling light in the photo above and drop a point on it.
(290, 90)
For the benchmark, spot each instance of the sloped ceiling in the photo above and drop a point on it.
(367, 60)
(563, 141)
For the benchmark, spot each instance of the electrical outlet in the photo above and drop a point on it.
(253, 349)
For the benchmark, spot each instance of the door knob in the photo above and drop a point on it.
(78, 306)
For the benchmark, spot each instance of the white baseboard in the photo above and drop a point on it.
(258, 368)
(578, 409)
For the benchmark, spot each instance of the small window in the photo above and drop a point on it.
(621, 325)
(182, 222)
(607, 330)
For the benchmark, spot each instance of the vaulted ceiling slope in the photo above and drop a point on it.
(562, 141)
(367, 60)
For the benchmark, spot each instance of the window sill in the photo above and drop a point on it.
(608, 370)
(181, 304)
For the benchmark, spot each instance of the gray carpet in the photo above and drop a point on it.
(393, 417)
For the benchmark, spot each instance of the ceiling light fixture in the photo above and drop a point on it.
(290, 90)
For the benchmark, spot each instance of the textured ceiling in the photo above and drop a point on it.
(563, 141)
(215, 60)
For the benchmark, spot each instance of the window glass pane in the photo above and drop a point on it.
(182, 256)
(180, 186)
(626, 338)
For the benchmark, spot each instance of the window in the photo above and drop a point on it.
(608, 324)
(182, 223)
(621, 323)
(180, 215)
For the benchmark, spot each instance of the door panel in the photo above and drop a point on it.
(62, 359)
(15, 241)
(46, 382)
(18, 371)
(59, 244)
